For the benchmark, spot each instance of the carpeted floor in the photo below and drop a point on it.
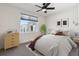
(74, 52)
(22, 50)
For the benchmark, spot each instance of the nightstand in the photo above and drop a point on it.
(76, 40)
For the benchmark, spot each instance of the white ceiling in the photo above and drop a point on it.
(32, 8)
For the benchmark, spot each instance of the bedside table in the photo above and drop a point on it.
(76, 40)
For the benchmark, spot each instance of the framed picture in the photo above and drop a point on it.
(58, 23)
(65, 22)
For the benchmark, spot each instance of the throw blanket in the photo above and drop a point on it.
(32, 45)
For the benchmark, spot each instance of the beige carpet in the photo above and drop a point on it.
(22, 50)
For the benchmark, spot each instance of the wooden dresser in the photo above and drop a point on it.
(11, 40)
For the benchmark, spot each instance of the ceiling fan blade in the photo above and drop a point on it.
(38, 6)
(47, 4)
(51, 8)
(38, 10)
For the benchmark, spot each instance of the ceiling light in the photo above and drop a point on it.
(44, 10)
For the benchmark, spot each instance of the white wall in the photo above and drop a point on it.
(9, 20)
(51, 20)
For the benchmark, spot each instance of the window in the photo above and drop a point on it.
(28, 24)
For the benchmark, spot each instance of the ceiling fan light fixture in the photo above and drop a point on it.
(44, 10)
(45, 7)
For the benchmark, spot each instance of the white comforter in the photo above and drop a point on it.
(51, 45)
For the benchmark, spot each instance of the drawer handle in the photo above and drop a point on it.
(13, 38)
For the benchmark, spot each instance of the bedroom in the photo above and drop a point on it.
(62, 21)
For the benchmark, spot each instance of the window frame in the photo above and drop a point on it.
(30, 20)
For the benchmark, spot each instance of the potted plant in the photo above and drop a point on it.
(43, 28)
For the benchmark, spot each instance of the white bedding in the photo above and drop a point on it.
(51, 45)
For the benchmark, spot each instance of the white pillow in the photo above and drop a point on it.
(53, 32)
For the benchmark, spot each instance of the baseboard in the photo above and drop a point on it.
(1, 49)
(26, 42)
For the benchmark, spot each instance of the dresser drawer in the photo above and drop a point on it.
(14, 35)
(10, 38)
(10, 41)
(9, 45)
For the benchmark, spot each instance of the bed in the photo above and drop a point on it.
(53, 45)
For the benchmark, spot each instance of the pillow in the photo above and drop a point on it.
(60, 33)
(66, 33)
(53, 32)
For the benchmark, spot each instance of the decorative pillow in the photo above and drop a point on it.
(60, 33)
(66, 33)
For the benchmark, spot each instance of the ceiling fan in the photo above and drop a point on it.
(45, 7)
